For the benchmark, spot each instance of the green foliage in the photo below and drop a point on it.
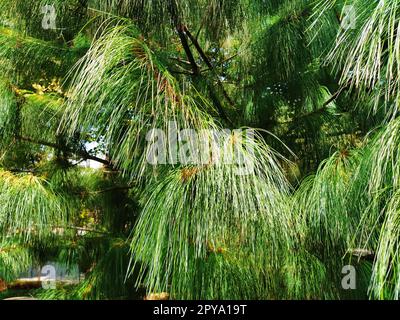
(211, 212)
(122, 80)
(27, 60)
(28, 207)
(322, 96)
(8, 113)
(14, 259)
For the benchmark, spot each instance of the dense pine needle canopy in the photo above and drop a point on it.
(87, 86)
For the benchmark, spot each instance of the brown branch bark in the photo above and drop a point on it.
(208, 63)
(183, 33)
(189, 54)
(211, 68)
(81, 153)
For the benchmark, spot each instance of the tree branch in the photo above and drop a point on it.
(182, 33)
(189, 54)
(208, 63)
(173, 11)
(211, 68)
(81, 153)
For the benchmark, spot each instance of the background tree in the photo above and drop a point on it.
(324, 192)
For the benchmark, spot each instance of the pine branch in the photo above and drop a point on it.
(173, 11)
(209, 65)
(183, 31)
(82, 153)
(189, 54)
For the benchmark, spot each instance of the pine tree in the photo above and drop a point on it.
(87, 80)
